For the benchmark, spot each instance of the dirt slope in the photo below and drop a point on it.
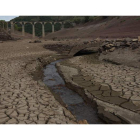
(112, 27)
(4, 35)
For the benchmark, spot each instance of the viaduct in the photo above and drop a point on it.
(33, 26)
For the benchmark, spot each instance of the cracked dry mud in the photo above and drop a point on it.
(113, 85)
(22, 99)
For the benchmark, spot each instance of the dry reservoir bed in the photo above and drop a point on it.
(24, 99)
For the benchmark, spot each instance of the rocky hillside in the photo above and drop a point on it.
(4, 35)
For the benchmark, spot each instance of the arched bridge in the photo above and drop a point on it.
(78, 47)
(33, 26)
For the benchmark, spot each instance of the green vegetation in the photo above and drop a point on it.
(138, 18)
(122, 21)
(1, 24)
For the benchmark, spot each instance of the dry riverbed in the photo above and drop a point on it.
(23, 99)
(114, 88)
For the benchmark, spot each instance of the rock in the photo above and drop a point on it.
(112, 49)
(128, 43)
(37, 41)
(82, 122)
(134, 40)
(118, 44)
(107, 46)
(134, 46)
(97, 39)
(99, 50)
(119, 40)
(4, 35)
(138, 38)
(1, 41)
(128, 39)
(85, 42)
(107, 40)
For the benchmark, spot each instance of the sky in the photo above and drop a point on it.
(7, 18)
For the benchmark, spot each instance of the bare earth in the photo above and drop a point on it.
(115, 88)
(22, 99)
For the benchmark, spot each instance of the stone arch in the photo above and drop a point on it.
(82, 47)
(38, 28)
(28, 27)
(48, 27)
(19, 26)
(57, 26)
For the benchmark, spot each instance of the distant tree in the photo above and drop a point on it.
(86, 18)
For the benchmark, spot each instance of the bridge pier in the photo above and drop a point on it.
(7, 26)
(52, 28)
(12, 27)
(62, 27)
(33, 29)
(43, 30)
(3, 24)
(23, 30)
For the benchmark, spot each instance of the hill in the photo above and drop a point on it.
(109, 27)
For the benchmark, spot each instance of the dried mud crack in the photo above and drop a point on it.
(97, 83)
(24, 99)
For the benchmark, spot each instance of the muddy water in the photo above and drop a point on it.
(74, 101)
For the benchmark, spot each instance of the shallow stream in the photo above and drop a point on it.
(75, 104)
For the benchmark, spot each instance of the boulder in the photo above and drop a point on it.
(112, 49)
(134, 46)
(119, 40)
(85, 42)
(82, 122)
(97, 39)
(128, 39)
(4, 35)
(107, 46)
(37, 41)
(134, 40)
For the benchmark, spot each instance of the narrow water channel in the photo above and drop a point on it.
(73, 100)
